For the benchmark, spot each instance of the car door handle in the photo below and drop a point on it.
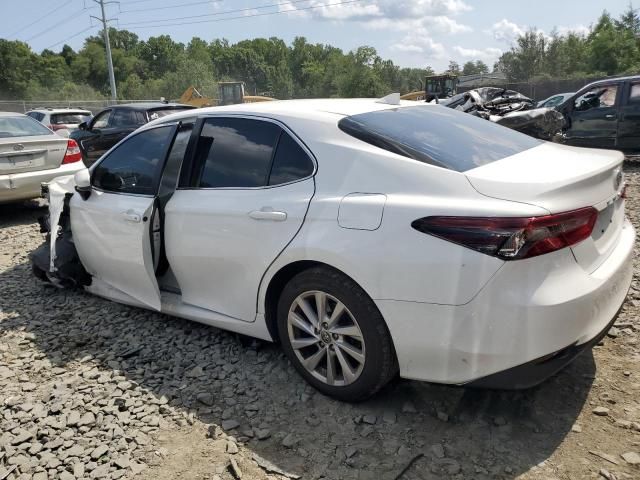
(130, 216)
(268, 213)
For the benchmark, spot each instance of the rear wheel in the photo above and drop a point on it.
(334, 335)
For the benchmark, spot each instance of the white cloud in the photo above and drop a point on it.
(505, 31)
(421, 43)
(579, 29)
(484, 53)
(395, 14)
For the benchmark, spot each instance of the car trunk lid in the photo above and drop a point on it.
(560, 179)
(31, 153)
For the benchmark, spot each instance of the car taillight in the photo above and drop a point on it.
(513, 238)
(73, 153)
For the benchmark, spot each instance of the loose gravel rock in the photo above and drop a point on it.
(93, 389)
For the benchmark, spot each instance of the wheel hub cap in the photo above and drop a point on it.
(326, 338)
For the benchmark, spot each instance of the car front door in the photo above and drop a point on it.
(113, 228)
(593, 117)
(243, 199)
(629, 123)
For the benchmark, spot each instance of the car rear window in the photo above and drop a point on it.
(68, 118)
(437, 135)
(21, 127)
(163, 112)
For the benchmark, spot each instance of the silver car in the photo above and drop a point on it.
(30, 154)
(61, 118)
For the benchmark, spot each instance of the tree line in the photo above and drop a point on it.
(160, 67)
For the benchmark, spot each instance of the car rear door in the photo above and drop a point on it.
(116, 229)
(92, 139)
(593, 116)
(629, 122)
(242, 199)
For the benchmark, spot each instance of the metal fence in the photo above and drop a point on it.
(22, 106)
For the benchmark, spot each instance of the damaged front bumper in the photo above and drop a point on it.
(57, 260)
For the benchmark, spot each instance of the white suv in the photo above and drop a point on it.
(60, 118)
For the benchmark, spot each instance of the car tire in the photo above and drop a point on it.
(39, 273)
(355, 361)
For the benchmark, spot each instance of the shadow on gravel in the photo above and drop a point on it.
(463, 433)
(22, 213)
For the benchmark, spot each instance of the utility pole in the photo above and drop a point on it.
(105, 29)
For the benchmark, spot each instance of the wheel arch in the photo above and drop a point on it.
(278, 282)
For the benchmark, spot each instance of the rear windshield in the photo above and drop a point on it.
(69, 118)
(21, 127)
(437, 135)
(163, 112)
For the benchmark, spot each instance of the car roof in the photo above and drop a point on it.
(12, 114)
(318, 109)
(613, 80)
(148, 105)
(60, 110)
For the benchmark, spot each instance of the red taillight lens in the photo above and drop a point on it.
(513, 238)
(73, 153)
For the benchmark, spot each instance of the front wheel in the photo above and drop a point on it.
(334, 335)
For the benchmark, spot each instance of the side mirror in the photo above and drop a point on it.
(83, 126)
(63, 132)
(82, 179)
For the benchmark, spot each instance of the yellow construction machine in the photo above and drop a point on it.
(229, 93)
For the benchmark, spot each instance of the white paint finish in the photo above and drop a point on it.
(530, 309)
(219, 250)
(454, 314)
(555, 177)
(114, 248)
(361, 211)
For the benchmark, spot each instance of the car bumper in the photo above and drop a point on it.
(24, 186)
(536, 315)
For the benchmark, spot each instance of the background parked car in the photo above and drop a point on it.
(60, 118)
(112, 124)
(31, 154)
(604, 114)
(554, 100)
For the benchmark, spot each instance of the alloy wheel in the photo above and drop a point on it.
(326, 338)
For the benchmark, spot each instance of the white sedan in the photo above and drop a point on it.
(31, 154)
(369, 238)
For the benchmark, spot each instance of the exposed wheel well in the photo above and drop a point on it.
(277, 284)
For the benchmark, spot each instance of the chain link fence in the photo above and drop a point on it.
(22, 106)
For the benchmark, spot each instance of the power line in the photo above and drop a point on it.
(72, 36)
(138, 25)
(39, 19)
(58, 23)
(289, 2)
(170, 6)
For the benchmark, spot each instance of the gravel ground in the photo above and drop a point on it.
(93, 389)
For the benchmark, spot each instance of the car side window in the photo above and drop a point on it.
(135, 166)
(123, 118)
(290, 162)
(603, 96)
(101, 120)
(634, 93)
(552, 102)
(235, 152)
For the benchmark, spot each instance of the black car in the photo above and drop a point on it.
(112, 124)
(604, 114)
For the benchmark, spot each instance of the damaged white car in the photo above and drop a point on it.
(368, 238)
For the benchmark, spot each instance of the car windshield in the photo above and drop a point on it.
(437, 135)
(21, 127)
(68, 118)
(163, 112)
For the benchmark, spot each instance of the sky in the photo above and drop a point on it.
(412, 33)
